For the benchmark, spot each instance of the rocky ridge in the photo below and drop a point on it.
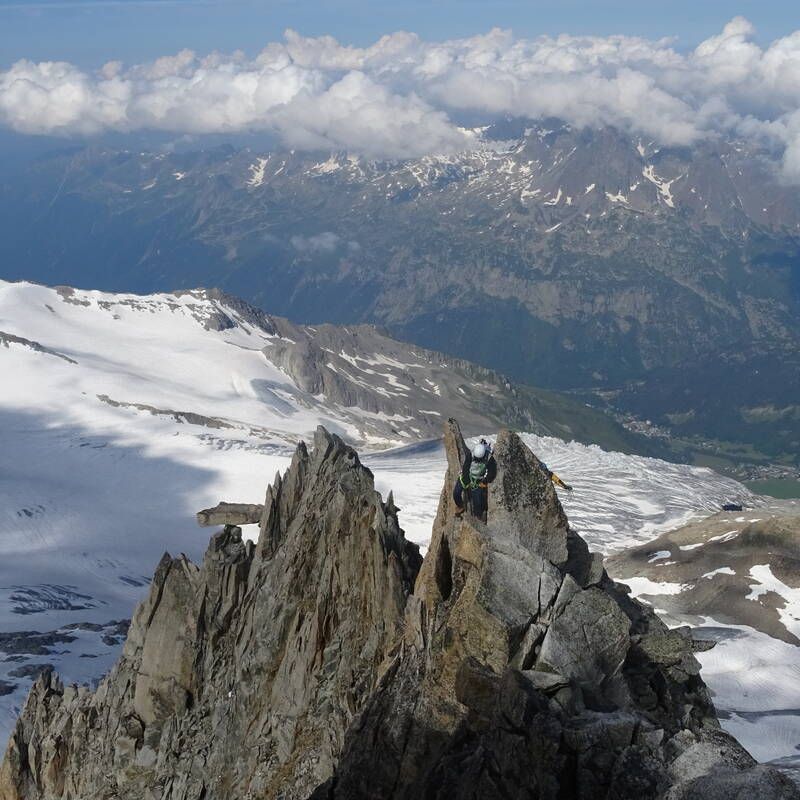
(284, 378)
(739, 568)
(326, 661)
(238, 677)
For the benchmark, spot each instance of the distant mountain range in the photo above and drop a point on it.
(661, 283)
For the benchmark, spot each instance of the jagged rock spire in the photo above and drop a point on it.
(240, 677)
(308, 666)
(526, 672)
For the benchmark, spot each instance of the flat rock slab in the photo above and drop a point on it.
(230, 514)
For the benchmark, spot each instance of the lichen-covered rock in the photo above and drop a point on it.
(324, 662)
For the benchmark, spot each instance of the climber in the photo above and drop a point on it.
(477, 472)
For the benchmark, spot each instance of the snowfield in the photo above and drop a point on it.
(755, 680)
(121, 416)
(617, 500)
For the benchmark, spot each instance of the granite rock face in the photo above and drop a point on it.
(525, 672)
(238, 678)
(326, 662)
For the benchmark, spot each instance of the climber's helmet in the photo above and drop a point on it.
(479, 451)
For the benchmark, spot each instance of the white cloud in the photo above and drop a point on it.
(401, 96)
(358, 114)
(54, 97)
(325, 242)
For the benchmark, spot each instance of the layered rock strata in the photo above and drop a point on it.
(324, 662)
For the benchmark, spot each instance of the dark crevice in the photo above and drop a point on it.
(444, 570)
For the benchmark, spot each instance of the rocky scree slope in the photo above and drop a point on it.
(732, 567)
(306, 665)
(409, 390)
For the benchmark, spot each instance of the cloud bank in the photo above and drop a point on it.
(401, 97)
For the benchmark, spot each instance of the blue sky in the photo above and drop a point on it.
(696, 69)
(91, 32)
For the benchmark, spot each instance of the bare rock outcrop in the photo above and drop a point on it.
(325, 662)
(230, 514)
(238, 678)
(526, 672)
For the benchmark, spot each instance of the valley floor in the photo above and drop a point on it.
(780, 488)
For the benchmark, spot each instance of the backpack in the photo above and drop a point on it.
(478, 471)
